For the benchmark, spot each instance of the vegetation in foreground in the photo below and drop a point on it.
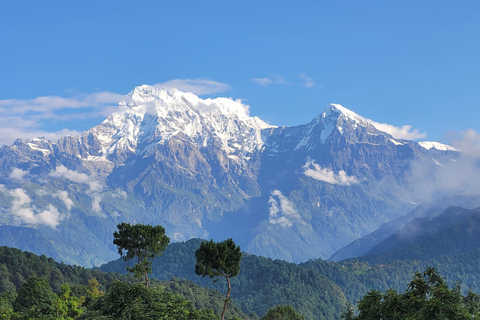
(33, 287)
(427, 297)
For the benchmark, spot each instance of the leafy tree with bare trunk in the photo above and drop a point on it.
(141, 241)
(219, 259)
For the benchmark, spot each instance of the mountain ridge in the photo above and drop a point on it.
(204, 167)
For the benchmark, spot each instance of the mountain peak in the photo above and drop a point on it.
(153, 115)
(171, 99)
(335, 110)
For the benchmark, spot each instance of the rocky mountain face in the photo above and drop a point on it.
(205, 168)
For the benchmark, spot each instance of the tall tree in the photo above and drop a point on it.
(219, 259)
(141, 241)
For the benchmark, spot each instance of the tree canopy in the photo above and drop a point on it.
(35, 298)
(134, 301)
(219, 259)
(141, 241)
(283, 312)
(427, 297)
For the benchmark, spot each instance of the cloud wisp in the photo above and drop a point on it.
(30, 118)
(94, 186)
(63, 195)
(17, 174)
(273, 79)
(196, 86)
(403, 132)
(26, 118)
(307, 81)
(315, 171)
(282, 211)
(432, 178)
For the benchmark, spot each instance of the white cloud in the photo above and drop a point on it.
(307, 81)
(281, 209)
(9, 133)
(273, 79)
(115, 214)
(75, 176)
(78, 177)
(120, 193)
(17, 174)
(24, 118)
(30, 118)
(404, 132)
(196, 86)
(48, 104)
(96, 202)
(262, 81)
(63, 195)
(316, 172)
(468, 143)
(23, 210)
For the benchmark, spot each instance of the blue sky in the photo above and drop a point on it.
(417, 63)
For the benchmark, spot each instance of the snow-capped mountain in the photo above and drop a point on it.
(154, 116)
(205, 168)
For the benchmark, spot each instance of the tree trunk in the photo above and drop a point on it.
(139, 261)
(227, 299)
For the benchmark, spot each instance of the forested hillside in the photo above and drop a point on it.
(262, 283)
(316, 287)
(59, 281)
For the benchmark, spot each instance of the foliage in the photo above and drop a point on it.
(134, 301)
(141, 241)
(203, 298)
(219, 259)
(427, 297)
(7, 299)
(263, 283)
(283, 312)
(35, 298)
(16, 266)
(67, 305)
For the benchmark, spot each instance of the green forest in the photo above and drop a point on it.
(37, 287)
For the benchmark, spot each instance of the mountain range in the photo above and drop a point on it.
(204, 168)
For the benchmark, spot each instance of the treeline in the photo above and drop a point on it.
(262, 283)
(318, 289)
(17, 266)
(357, 276)
(37, 287)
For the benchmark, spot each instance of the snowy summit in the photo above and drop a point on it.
(154, 115)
